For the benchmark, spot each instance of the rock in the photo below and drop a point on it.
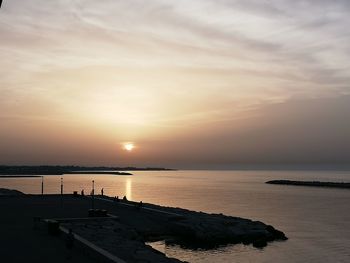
(260, 243)
(278, 235)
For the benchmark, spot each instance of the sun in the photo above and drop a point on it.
(128, 146)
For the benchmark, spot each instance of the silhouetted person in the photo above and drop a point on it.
(124, 198)
(82, 192)
(102, 191)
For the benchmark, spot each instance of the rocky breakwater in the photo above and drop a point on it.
(311, 183)
(130, 226)
(194, 229)
(200, 230)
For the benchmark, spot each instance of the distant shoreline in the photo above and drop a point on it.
(81, 172)
(311, 183)
(19, 176)
(32, 171)
(99, 172)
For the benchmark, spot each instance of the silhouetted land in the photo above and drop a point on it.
(19, 176)
(4, 191)
(310, 183)
(99, 172)
(58, 170)
(123, 236)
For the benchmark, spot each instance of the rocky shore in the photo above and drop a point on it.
(194, 229)
(310, 183)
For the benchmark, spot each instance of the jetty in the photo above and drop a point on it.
(109, 229)
(311, 183)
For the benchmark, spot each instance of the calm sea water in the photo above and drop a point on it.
(316, 220)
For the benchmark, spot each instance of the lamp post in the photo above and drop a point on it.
(61, 185)
(93, 194)
(62, 192)
(42, 185)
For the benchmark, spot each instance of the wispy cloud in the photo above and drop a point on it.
(160, 63)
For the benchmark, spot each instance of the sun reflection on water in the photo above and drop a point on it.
(128, 188)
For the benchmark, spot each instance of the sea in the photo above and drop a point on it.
(316, 220)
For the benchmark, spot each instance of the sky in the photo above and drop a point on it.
(192, 84)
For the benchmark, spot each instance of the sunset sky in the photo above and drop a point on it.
(192, 84)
